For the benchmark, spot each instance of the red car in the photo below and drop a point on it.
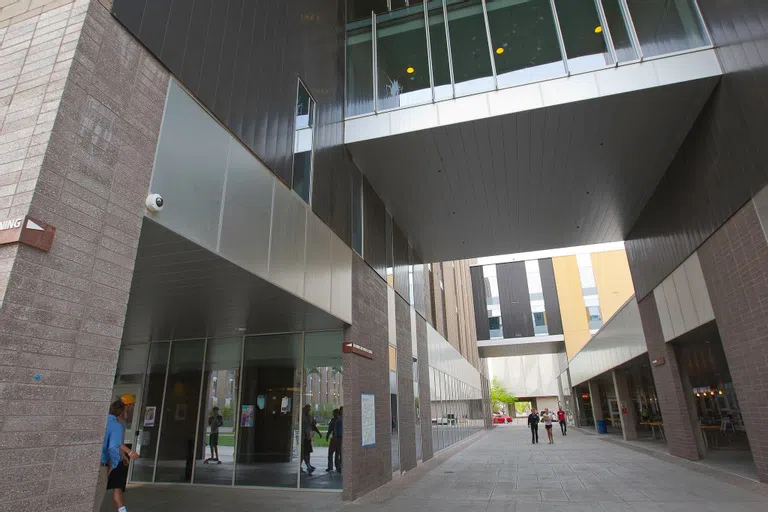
(501, 418)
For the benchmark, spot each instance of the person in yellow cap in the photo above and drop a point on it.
(130, 402)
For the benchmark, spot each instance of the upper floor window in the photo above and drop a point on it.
(303, 143)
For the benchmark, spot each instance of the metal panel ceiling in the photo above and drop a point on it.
(181, 290)
(567, 175)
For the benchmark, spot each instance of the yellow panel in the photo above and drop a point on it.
(614, 281)
(571, 298)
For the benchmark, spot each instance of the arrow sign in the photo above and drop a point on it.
(34, 225)
(28, 231)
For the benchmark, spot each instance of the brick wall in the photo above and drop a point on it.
(366, 468)
(679, 428)
(86, 173)
(437, 294)
(406, 418)
(734, 261)
(14, 11)
(427, 450)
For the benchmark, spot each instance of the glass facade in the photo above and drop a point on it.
(228, 411)
(589, 291)
(536, 296)
(492, 301)
(303, 143)
(409, 52)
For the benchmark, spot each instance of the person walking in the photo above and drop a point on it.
(561, 420)
(309, 427)
(115, 455)
(332, 444)
(533, 422)
(547, 419)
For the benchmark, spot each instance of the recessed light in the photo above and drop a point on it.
(241, 329)
(410, 70)
(598, 29)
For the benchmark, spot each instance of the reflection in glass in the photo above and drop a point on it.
(469, 47)
(180, 412)
(268, 432)
(149, 423)
(303, 143)
(524, 40)
(393, 408)
(359, 70)
(441, 70)
(403, 67)
(215, 460)
(323, 392)
(620, 31)
(417, 408)
(664, 26)
(359, 9)
(583, 35)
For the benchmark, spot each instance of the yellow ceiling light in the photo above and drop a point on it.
(410, 70)
(720, 392)
(598, 29)
(499, 50)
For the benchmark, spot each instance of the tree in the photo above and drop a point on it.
(500, 396)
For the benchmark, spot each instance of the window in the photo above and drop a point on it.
(494, 324)
(303, 142)
(536, 297)
(539, 319)
(589, 291)
(594, 318)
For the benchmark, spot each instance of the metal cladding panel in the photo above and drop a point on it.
(317, 274)
(247, 212)
(374, 238)
(479, 302)
(190, 169)
(551, 301)
(620, 340)
(419, 292)
(697, 195)
(400, 249)
(341, 279)
(242, 59)
(287, 242)
(514, 299)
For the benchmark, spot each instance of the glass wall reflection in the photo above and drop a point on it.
(323, 393)
(268, 440)
(441, 66)
(583, 35)
(524, 41)
(393, 408)
(403, 67)
(359, 69)
(470, 54)
(178, 422)
(666, 27)
(620, 29)
(456, 409)
(228, 411)
(215, 460)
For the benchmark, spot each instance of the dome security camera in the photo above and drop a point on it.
(154, 202)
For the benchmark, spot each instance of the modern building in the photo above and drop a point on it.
(315, 158)
(535, 311)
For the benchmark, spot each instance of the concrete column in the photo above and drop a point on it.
(560, 395)
(597, 402)
(627, 410)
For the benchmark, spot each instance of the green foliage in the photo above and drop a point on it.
(523, 407)
(226, 414)
(500, 396)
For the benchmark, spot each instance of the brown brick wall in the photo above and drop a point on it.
(734, 261)
(366, 468)
(678, 426)
(63, 313)
(406, 418)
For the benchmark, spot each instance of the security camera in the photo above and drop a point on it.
(154, 202)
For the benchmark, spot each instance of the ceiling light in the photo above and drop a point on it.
(499, 50)
(720, 392)
(241, 329)
(410, 70)
(598, 29)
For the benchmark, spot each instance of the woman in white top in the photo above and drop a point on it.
(547, 419)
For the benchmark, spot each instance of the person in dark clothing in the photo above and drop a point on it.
(333, 445)
(533, 422)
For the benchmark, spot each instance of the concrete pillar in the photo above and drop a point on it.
(627, 409)
(560, 395)
(597, 402)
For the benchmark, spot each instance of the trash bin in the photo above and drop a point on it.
(602, 427)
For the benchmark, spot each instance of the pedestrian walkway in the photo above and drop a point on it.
(502, 471)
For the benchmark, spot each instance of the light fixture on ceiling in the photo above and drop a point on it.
(720, 392)
(410, 70)
(499, 50)
(240, 329)
(598, 29)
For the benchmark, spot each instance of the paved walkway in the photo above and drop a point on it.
(502, 471)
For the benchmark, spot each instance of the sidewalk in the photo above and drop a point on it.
(503, 471)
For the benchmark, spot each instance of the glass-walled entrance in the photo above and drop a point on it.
(228, 411)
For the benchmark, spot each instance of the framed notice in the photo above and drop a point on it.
(149, 416)
(368, 412)
(246, 416)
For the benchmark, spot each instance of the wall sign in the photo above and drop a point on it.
(353, 348)
(368, 417)
(27, 230)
